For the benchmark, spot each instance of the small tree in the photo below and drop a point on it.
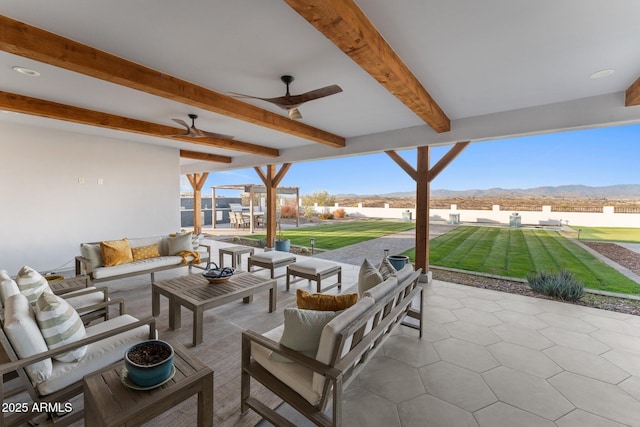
(322, 198)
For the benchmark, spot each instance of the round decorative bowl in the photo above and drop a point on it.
(215, 274)
(149, 363)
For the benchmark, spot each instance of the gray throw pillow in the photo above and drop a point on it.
(302, 331)
(386, 268)
(179, 243)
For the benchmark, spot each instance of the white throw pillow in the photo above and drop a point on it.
(8, 287)
(60, 325)
(302, 331)
(93, 253)
(31, 283)
(22, 330)
(368, 277)
(386, 268)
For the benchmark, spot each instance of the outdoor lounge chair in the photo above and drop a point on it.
(50, 383)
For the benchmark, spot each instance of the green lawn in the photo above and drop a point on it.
(514, 252)
(610, 234)
(338, 235)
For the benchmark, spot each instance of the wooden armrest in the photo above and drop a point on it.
(276, 347)
(12, 366)
(83, 266)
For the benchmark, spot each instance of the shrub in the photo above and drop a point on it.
(339, 213)
(309, 211)
(325, 215)
(288, 212)
(561, 284)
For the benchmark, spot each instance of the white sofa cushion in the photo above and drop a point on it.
(302, 330)
(99, 355)
(330, 335)
(84, 300)
(137, 266)
(404, 273)
(26, 339)
(60, 325)
(312, 266)
(296, 376)
(272, 256)
(31, 283)
(380, 291)
(8, 287)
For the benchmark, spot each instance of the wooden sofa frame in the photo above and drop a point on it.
(83, 266)
(17, 366)
(386, 314)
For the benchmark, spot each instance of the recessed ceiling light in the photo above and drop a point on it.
(602, 73)
(26, 71)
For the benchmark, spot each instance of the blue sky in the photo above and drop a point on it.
(593, 157)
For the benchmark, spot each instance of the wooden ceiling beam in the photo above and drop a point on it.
(632, 94)
(205, 157)
(342, 22)
(43, 108)
(40, 45)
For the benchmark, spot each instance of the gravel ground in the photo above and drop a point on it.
(623, 256)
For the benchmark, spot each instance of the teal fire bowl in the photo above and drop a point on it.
(398, 261)
(149, 375)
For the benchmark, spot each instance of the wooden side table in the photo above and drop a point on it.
(108, 402)
(63, 286)
(236, 254)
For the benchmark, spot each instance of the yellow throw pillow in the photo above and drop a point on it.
(145, 252)
(115, 252)
(322, 302)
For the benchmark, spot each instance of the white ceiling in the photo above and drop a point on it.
(496, 67)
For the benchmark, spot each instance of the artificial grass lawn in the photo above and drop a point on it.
(610, 234)
(514, 252)
(338, 235)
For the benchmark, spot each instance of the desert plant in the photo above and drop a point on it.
(309, 211)
(288, 211)
(339, 213)
(560, 284)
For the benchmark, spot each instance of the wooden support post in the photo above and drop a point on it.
(271, 179)
(423, 175)
(214, 212)
(197, 182)
(422, 209)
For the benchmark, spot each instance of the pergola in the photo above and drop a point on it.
(252, 189)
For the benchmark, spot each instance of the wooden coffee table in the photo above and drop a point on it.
(196, 294)
(108, 402)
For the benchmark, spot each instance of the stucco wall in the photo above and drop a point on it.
(46, 213)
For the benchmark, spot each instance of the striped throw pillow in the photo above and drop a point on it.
(60, 325)
(31, 283)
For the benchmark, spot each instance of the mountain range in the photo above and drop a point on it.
(617, 192)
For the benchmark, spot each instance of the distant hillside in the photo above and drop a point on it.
(622, 191)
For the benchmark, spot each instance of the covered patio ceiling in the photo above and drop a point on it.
(412, 73)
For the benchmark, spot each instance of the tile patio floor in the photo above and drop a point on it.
(493, 359)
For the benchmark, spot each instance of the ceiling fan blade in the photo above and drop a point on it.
(281, 101)
(294, 114)
(205, 134)
(315, 94)
(183, 123)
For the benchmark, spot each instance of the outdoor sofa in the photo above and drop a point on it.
(145, 255)
(309, 382)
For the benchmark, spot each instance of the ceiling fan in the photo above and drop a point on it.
(194, 132)
(292, 102)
